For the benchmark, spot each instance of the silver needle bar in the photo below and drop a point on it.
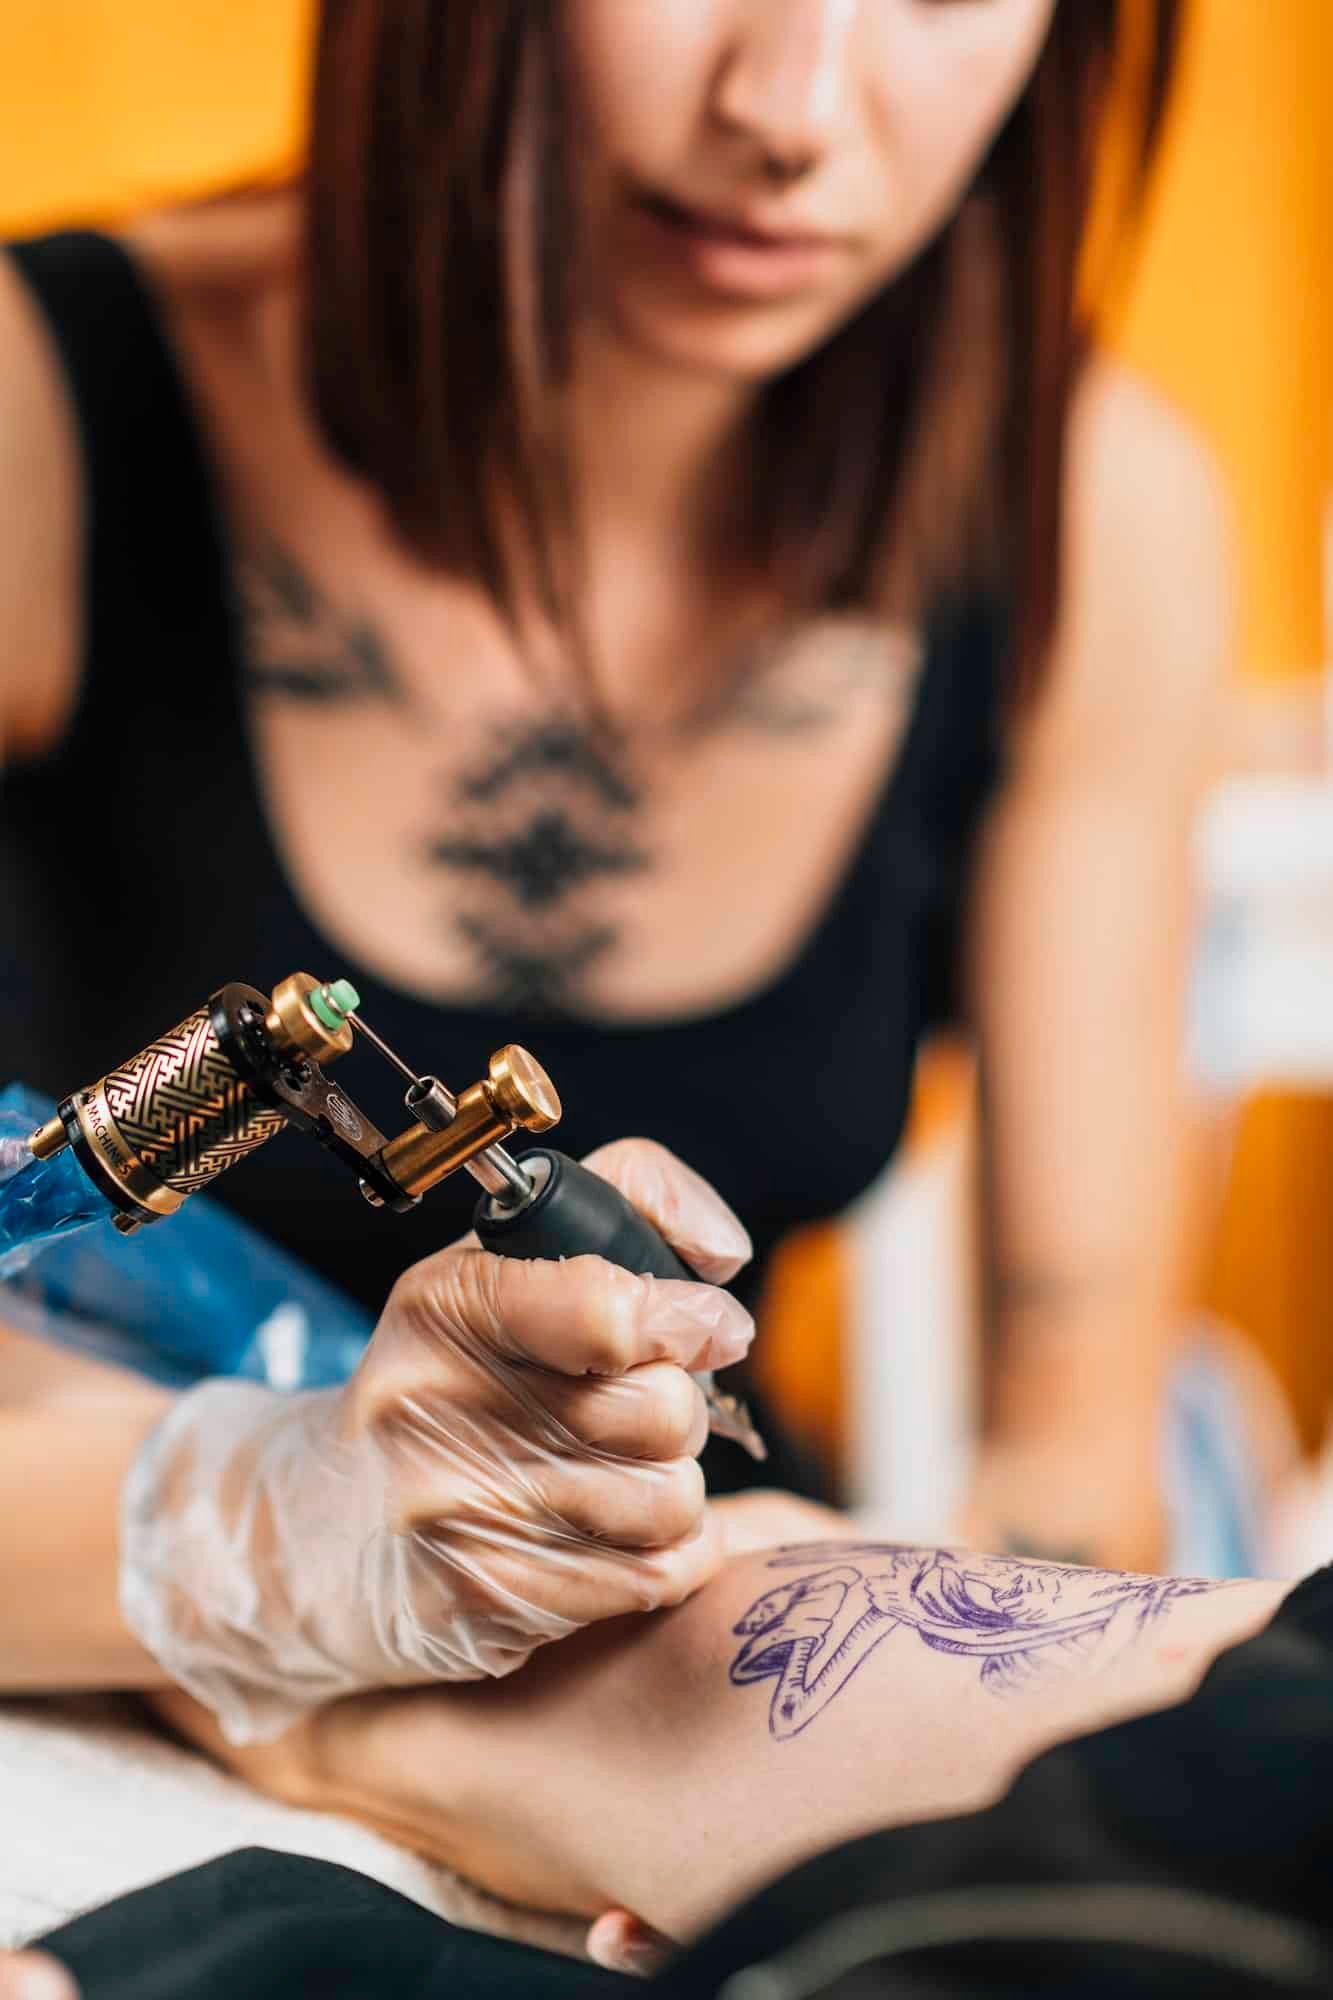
(430, 1101)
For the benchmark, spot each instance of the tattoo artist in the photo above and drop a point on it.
(600, 561)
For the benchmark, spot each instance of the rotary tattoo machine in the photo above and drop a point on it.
(198, 1100)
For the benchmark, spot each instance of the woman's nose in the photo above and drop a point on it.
(785, 79)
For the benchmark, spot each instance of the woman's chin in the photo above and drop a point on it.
(720, 339)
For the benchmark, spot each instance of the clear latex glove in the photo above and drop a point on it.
(514, 1459)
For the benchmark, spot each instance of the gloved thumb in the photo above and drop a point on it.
(692, 1216)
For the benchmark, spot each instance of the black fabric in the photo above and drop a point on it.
(1182, 1854)
(256, 1925)
(138, 867)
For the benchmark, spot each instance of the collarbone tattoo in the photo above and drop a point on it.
(802, 682)
(301, 647)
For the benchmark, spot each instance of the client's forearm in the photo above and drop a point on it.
(808, 1694)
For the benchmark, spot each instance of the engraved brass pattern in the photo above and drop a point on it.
(175, 1116)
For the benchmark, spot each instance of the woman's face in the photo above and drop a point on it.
(754, 170)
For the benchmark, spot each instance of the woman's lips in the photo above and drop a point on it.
(736, 258)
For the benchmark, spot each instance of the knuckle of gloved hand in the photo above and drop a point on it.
(365, 1396)
(671, 1496)
(610, 1307)
(396, 1394)
(672, 1416)
(647, 1173)
(454, 1289)
(663, 1578)
(632, 1160)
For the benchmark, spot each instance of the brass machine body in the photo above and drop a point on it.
(236, 1072)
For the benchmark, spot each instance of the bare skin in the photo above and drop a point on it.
(667, 1766)
(34, 1975)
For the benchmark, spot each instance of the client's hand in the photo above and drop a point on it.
(668, 1765)
(34, 1975)
(514, 1459)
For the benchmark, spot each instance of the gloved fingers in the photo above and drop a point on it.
(654, 1411)
(652, 1579)
(542, 1501)
(693, 1217)
(491, 1583)
(580, 1316)
(647, 1504)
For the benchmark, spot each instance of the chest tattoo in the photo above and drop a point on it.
(518, 974)
(542, 862)
(546, 814)
(555, 747)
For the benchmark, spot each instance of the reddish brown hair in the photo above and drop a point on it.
(922, 444)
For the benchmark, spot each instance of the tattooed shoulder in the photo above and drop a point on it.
(1014, 1619)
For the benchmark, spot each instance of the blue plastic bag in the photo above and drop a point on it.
(198, 1294)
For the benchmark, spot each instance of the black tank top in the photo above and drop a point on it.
(139, 874)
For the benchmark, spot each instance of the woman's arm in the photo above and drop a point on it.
(669, 1765)
(1082, 940)
(70, 1427)
(40, 553)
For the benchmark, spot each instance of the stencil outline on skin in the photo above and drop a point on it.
(813, 1635)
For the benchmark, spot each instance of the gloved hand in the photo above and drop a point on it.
(513, 1459)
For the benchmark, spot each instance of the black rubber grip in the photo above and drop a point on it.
(577, 1214)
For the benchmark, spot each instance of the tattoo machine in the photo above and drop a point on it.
(197, 1100)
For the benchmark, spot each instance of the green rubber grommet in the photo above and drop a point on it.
(331, 1004)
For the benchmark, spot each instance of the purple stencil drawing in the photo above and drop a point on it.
(1016, 1618)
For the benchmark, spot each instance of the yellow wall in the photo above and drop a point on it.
(1232, 308)
(109, 105)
